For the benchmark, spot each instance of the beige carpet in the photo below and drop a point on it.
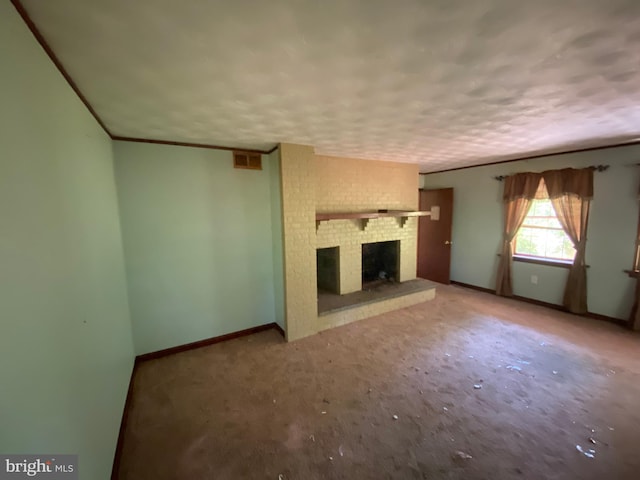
(394, 397)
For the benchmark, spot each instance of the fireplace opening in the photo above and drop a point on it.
(379, 263)
(328, 269)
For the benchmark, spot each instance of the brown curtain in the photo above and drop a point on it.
(570, 192)
(634, 318)
(569, 181)
(519, 192)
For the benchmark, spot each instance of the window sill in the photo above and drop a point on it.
(547, 262)
(543, 261)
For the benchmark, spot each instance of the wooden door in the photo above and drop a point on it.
(434, 236)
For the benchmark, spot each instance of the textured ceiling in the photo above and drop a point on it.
(442, 83)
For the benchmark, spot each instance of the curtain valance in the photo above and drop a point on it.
(567, 181)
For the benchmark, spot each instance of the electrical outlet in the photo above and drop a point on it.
(534, 279)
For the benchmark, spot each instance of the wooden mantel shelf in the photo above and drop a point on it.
(364, 217)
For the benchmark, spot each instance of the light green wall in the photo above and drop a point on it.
(66, 350)
(276, 232)
(198, 243)
(478, 220)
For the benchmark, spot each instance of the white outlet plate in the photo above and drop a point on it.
(534, 279)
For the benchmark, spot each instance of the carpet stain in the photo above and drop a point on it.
(393, 397)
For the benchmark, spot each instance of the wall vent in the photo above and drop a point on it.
(250, 160)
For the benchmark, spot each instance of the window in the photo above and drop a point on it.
(541, 235)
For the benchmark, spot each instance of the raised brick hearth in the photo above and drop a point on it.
(311, 184)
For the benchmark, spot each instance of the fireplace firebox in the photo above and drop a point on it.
(328, 269)
(380, 262)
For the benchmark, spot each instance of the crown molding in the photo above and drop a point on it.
(56, 61)
(542, 155)
(189, 144)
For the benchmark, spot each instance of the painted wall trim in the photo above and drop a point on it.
(58, 64)
(52, 56)
(542, 155)
(279, 329)
(188, 144)
(206, 342)
(50, 53)
(596, 316)
(273, 149)
(163, 353)
(123, 423)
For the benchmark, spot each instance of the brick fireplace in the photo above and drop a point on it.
(349, 237)
(319, 184)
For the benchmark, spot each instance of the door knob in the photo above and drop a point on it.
(448, 242)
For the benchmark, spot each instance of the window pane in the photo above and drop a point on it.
(541, 234)
(545, 208)
(550, 222)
